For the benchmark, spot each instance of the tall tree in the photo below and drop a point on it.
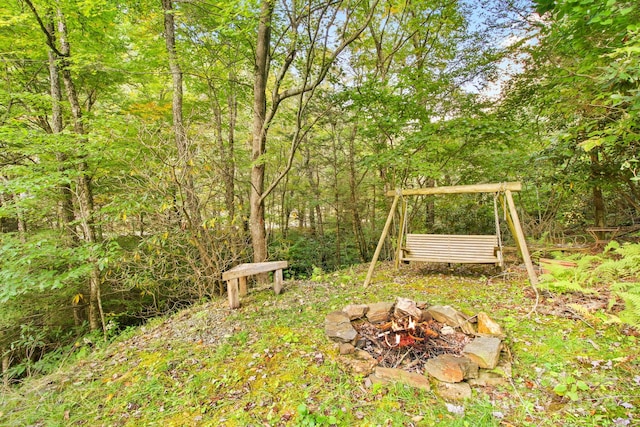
(185, 156)
(83, 189)
(311, 30)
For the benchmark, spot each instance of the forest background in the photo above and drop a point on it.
(148, 146)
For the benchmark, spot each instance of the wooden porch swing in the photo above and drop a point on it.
(456, 248)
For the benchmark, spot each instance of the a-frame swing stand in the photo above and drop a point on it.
(452, 241)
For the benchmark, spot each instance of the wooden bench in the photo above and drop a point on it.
(239, 273)
(452, 248)
(603, 235)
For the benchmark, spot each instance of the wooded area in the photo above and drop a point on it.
(148, 146)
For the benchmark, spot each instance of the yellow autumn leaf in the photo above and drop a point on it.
(109, 397)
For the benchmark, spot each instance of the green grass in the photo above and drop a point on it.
(272, 365)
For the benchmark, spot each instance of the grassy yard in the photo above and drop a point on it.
(269, 363)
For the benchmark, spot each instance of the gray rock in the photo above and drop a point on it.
(450, 368)
(346, 348)
(488, 378)
(485, 351)
(356, 311)
(337, 326)
(445, 314)
(387, 375)
(447, 330)
(497, 376)
(379, 312)
(466, 326)
(406, 307)
(359, 362)
(453, 391)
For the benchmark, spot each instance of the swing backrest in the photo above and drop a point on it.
(452, 248)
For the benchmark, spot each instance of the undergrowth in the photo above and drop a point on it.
(616, 269)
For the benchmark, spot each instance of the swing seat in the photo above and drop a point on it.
(452, 248)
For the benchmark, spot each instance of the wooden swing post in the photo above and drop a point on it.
(385, 231)
(519, 235)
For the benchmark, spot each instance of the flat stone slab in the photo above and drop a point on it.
(379, 312)
(356, 311)
(360, 362)
(485, 351)
(337, 326)
(497, 376)
(445, 314)
(454, 391)
(451, 369)
(488, 379)
(388, 375)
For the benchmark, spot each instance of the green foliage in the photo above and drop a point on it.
(571, 387)
(46, 261)
(630, 294)
(617, 268)
(307, 254)
(306, 418)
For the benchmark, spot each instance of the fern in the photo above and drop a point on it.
(632, 287)
(611, 246)
(608, 271)
(563, 286)
(581, 310)
(631, 312)
(629, 250)
(618, 266)
(589, 261)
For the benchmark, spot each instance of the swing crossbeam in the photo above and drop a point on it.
(458, 189)
(452, 248)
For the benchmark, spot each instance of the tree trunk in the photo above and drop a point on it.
(84, 191)
(6, 364)
(185, 179)
(336, 198)
(430, 214)
(315, 211)
(599, 214)
(353, 187)
(259, 137)
(65, 214)
(185, 157)
(228, 159)
(285, 209)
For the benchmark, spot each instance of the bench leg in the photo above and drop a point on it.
(232, 291)
(277, 282)
(243, 286)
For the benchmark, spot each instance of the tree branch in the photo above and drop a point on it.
(51, 40)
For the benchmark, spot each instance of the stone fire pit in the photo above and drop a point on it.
(417, 344)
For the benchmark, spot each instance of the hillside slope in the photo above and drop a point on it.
(269, 363)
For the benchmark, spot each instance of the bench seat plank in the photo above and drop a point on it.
(249, 269)
(452, 248)
(237, 278)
